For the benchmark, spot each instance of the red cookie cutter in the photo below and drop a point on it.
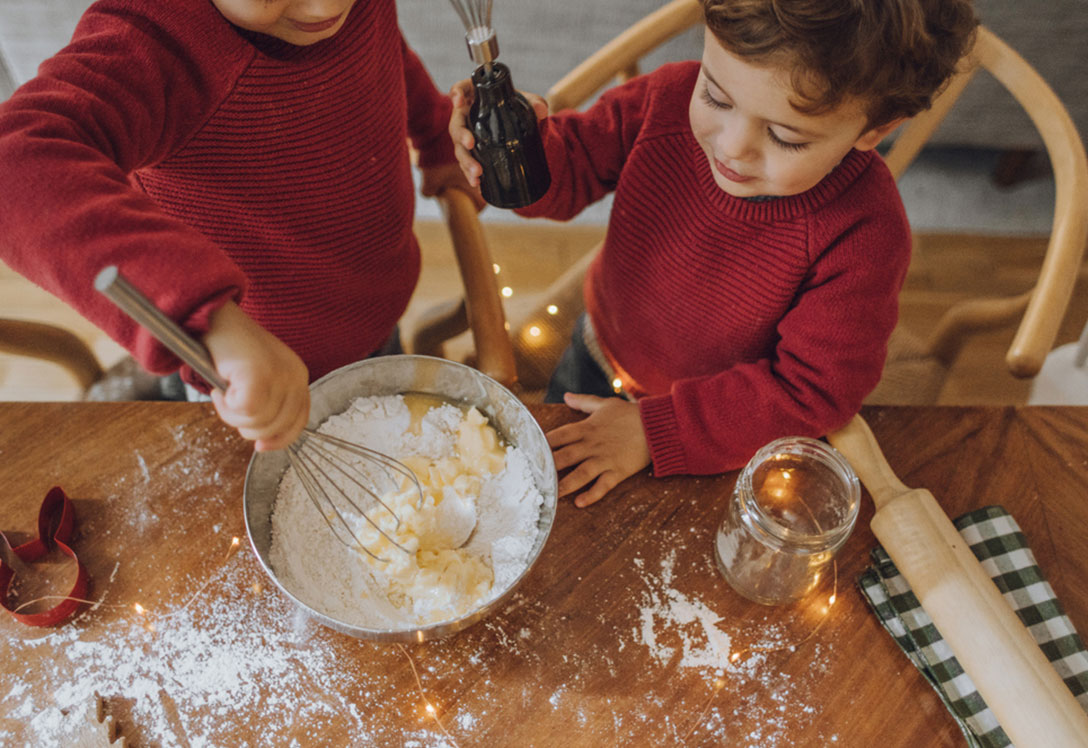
(56, 524)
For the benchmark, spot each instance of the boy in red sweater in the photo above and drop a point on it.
(245, 164)
(748, 281)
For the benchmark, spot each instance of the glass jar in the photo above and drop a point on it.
(794, 505)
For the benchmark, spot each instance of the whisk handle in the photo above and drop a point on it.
(114, 286)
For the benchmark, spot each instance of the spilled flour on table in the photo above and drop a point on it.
(191, 674)
(687, 632)
(244, 660)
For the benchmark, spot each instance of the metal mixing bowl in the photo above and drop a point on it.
(393, 375)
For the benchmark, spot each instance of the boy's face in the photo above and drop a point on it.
(755, 141)
(299, 22)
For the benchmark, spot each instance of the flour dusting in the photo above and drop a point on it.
(688, 633)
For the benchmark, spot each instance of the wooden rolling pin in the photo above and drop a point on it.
(1012, 674)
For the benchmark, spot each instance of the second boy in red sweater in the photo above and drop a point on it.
(749, 277)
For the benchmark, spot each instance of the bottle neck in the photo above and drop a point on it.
(492, 83)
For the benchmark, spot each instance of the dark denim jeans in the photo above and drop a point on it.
(577, 371)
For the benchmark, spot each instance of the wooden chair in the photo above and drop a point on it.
(479, 309)
(916, 368)
(51, 343)
(482, 313)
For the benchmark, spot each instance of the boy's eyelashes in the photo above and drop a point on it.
(784, 144)
(711, 101)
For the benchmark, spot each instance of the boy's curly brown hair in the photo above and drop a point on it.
(895, 55)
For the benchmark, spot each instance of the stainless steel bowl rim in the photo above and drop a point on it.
(333, 393)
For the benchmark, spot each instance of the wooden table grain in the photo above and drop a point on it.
(620, 635)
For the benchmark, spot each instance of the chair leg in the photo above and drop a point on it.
(438, 324)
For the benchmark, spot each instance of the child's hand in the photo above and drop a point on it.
(608, 446)
(462, 94)
(268, 398)
(435, 179)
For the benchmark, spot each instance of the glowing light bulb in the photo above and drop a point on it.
(141, 610)
(553, 309)
(617, 385)
(831, 600)
(734, 657)
(430, 709)
(785, 475)
(234, 542)
(534, 331)
(495, 267)
(507, 291)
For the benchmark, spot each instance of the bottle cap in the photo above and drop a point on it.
(483, 46)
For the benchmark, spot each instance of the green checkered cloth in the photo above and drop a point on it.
(1001, 548)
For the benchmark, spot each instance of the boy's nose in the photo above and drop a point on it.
(737, 140)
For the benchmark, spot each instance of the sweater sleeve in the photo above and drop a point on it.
(586, 151)
(829, 356)
(124, 94)
(428, 112)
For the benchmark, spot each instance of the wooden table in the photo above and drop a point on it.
(605, 643)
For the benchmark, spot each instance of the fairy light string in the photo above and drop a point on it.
(428, 707)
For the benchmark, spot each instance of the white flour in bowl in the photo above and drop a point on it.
(473, 488)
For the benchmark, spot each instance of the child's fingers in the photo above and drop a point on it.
(566, 434)
(461, 136)
(604, 484)
(462, 93)
(470, 167)
(288, 424)
(570, 455)
(584, 403)
(540, 104)
(272, 421)
(580, 476)
(256, 407)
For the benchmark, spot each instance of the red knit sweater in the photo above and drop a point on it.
(212, 163)
(732, 321)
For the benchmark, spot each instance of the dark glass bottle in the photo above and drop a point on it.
(508, 144)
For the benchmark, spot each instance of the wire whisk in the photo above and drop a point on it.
(338, 476)
(483, 47)
(332, 479)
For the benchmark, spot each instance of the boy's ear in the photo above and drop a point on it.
(871, 138)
